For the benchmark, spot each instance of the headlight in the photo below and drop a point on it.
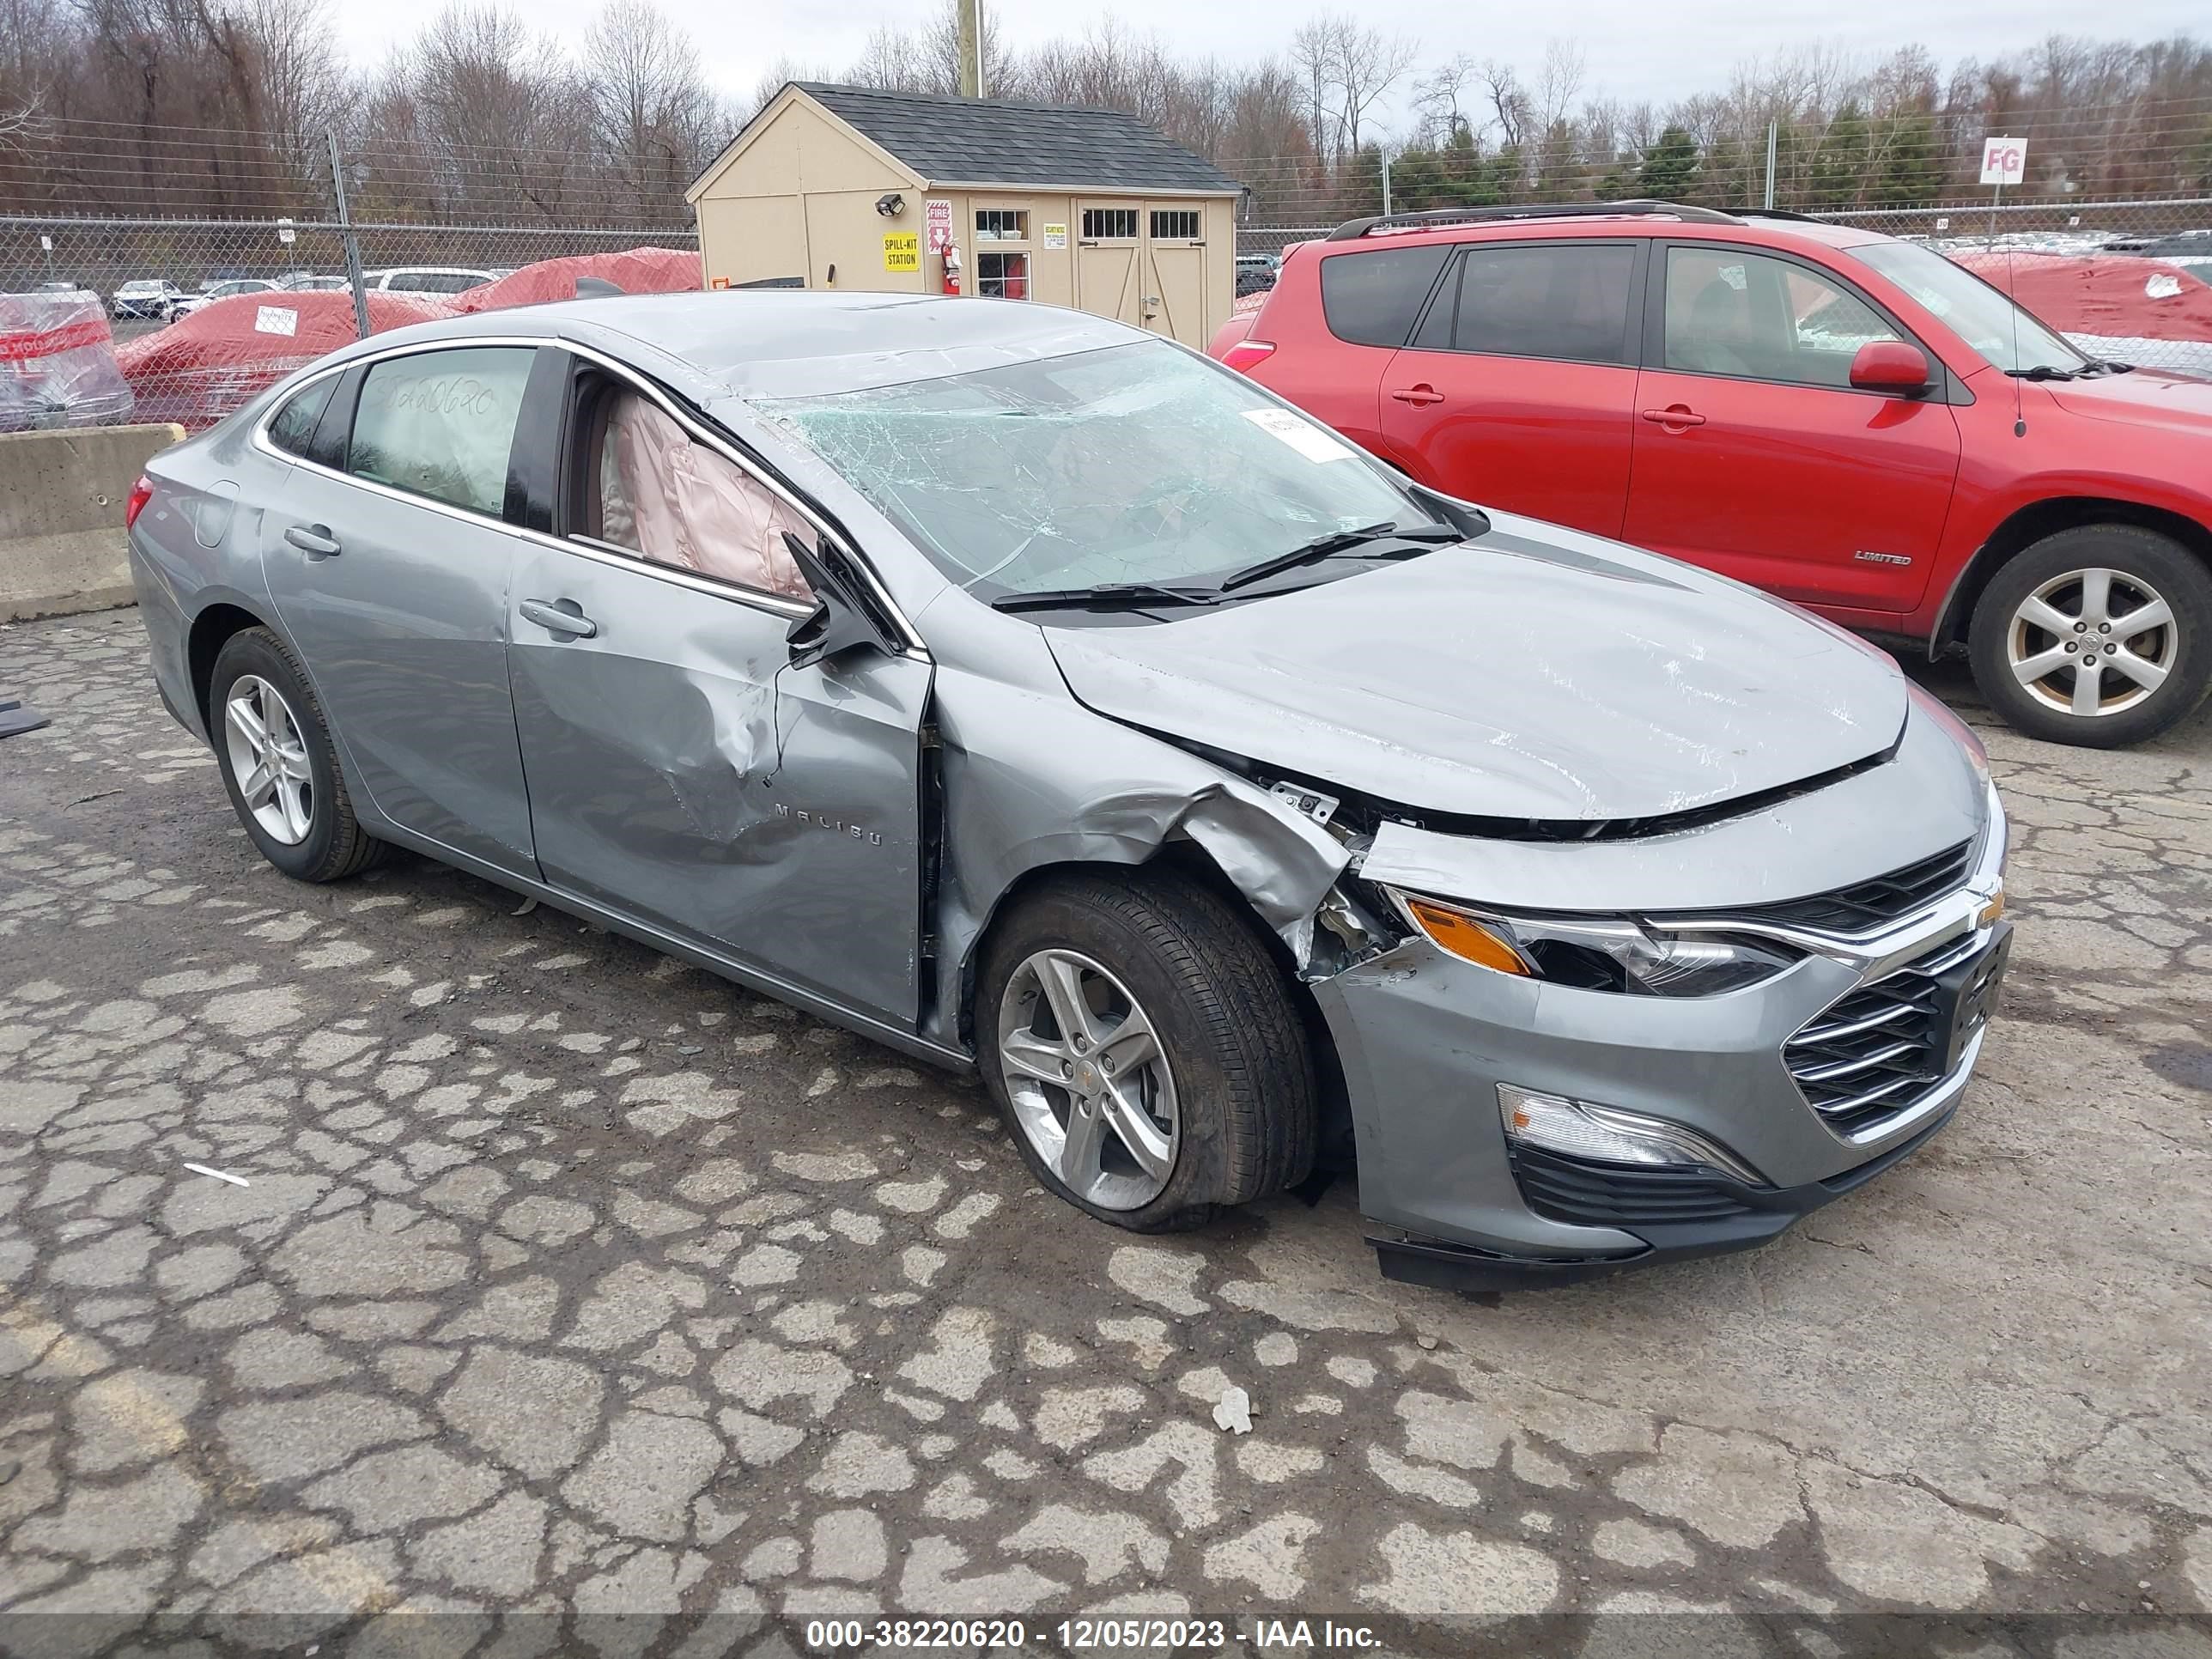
(1964, 735)
(1597, 953)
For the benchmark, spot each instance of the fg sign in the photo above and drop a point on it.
(2004, 161)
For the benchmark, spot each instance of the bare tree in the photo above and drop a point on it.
(651, 110)
(1509, 102)
(1440, 94)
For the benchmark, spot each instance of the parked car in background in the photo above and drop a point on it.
(1255, 273)
(228, 289)
(1849, 421)
(147, 299)
(427, 279)
(2190, 249)
(311, 283)
(1214, 791)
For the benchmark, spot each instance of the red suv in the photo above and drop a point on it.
(1852, 421)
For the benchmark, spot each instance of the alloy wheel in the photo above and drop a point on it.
(269, 758)
(1089, 1080)
(2093, 642)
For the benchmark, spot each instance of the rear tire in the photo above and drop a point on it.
(279, 763)
(1230, 1114)
(2084, 596)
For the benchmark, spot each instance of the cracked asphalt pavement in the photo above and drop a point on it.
(570, 1278)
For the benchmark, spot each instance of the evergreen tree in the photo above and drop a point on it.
(1670, 169)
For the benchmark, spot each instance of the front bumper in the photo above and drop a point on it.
(1425, 1039)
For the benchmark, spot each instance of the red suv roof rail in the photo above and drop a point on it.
(1353, 229)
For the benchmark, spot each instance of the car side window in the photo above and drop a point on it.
(293, 427)
(1371, 299)
(1565, 302)
(653, 491)
(442, 423)
(1733, 312)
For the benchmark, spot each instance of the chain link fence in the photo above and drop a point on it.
(201, 314)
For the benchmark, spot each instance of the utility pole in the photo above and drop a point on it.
(352, 242)
(971, 48)
(1772, 128)
(1386, 184)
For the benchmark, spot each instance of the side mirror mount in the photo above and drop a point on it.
(839, 621)
(1894, 366)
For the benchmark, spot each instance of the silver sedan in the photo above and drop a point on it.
(1042, 700)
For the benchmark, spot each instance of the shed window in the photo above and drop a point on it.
(1110, 224)
(1002, 225)
(1002, 276)
(1175, 224)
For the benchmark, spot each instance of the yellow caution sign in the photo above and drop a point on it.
(901, 252)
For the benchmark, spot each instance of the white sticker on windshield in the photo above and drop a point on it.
(276, 319)
(1309, 440)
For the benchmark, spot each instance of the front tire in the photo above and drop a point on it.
(279, 763)
(1139, 1039)
(2100, 636)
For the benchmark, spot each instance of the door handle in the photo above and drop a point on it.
(314, 540)
(1420, 395)
(563, 616)
(1674, 415)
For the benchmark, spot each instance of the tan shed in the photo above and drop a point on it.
(853, 188)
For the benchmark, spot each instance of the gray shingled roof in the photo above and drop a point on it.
(951, 141)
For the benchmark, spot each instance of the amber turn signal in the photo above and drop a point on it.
(1465, 938)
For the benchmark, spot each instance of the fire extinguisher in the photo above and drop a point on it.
(951, 269)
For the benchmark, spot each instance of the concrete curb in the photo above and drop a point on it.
(62, 496)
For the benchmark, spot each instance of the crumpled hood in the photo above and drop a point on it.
(1534, 673)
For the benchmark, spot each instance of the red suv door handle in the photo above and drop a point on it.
(1674, 415)
(1420, 395)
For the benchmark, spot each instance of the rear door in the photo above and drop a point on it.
(1754, 454)
(1519, 388)
(388, 550)
(682, 771)
(1328, 359)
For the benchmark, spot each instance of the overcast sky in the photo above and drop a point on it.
(1633, 49)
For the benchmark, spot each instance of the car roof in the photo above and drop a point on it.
(1632, 219)
(789, 342)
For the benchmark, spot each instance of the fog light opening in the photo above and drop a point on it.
(1578, 1129)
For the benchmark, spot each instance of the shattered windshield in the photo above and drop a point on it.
(1137, 463)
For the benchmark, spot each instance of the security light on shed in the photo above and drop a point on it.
(890, 204)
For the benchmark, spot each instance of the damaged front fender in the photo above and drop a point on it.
(1032, 779)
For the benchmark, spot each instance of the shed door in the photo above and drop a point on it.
(1174, 301)
(1109, 243)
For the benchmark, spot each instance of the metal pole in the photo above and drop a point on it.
(1772, 127)
(352, 242)
(1996, 197)
(1386, 184)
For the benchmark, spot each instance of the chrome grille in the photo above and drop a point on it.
(1876, 1052)
(1877, 901)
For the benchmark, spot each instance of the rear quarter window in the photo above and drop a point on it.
(1371, 299)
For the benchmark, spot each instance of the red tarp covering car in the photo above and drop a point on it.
(196, 371)
(636, 271)
(2138, 310)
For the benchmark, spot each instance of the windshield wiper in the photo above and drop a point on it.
(1103, 593)
(1340, 541)
(2044, 371)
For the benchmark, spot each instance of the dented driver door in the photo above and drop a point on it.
(682, 773)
